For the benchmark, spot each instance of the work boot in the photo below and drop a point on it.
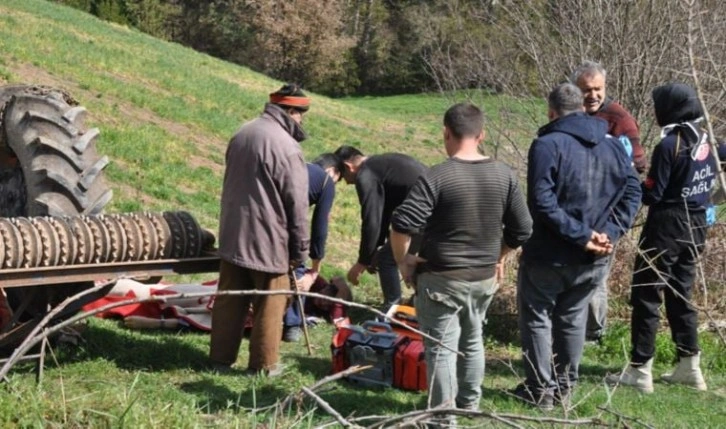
(688, 372)
(640, 377)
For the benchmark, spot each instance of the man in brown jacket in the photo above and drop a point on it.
(263, 230)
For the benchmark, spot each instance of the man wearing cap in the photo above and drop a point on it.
(263, 230)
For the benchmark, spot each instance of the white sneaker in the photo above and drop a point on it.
(640, 377)
(688, 372)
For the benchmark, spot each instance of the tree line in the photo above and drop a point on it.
(362, 47)
(334, 47)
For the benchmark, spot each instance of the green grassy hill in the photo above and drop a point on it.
(166, 113)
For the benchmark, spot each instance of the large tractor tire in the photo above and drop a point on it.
(56, 154)
(48, 167)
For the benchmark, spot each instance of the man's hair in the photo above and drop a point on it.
(327, 160)
(464, 120)
(588, 68)
(565, 98)
(347, 153)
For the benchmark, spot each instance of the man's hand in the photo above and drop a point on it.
(499, 272)
(355, 272)
(408, 269)
(304, 283)
(599, 244)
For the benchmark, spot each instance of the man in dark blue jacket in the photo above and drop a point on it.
(678, 188)
(583, 194)
(323, 174)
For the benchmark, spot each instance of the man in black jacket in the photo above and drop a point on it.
(382, 183)
(677, 189)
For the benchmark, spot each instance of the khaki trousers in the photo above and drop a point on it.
(230, 312)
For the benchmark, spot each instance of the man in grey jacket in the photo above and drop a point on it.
(263, 230)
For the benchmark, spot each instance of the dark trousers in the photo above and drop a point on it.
(552, 303)
(671, 241)
(230, 312)
(389, 277)
(293, 314)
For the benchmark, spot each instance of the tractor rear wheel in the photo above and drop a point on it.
(48, 167)
(55, 152)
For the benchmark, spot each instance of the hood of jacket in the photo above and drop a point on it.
(279, 115)
(585, 128)
(675, 103)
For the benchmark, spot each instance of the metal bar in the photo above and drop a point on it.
(90, 272)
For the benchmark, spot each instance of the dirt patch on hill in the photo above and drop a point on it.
(205, 142)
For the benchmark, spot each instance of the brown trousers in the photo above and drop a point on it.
(230, 312)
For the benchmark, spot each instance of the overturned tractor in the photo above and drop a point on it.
(54, 238)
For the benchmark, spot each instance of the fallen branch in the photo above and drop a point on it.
(333, 377)
(504, 418)
(325, 406)
(624, 417)
(33, 338)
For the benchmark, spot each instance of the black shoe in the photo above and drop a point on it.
(292, 334)
(543, 400)
(593, 338)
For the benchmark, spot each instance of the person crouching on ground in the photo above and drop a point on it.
(323, 174)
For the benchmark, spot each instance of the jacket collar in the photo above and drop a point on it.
(279, 115)
(580, 125)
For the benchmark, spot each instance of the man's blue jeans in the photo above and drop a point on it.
(452, 311)
(552, 303)
(293, 314)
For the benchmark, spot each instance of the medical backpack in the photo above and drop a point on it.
(395, 354)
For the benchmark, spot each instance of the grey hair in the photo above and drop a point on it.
(588, 68)
(565, 98)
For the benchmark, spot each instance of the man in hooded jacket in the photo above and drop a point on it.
(677, 189)
(583, 194)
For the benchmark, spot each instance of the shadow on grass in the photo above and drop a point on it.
(259, 393)
(134, 350)
(213, 396)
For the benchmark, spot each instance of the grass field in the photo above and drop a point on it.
(165, 113)
(123, 378)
